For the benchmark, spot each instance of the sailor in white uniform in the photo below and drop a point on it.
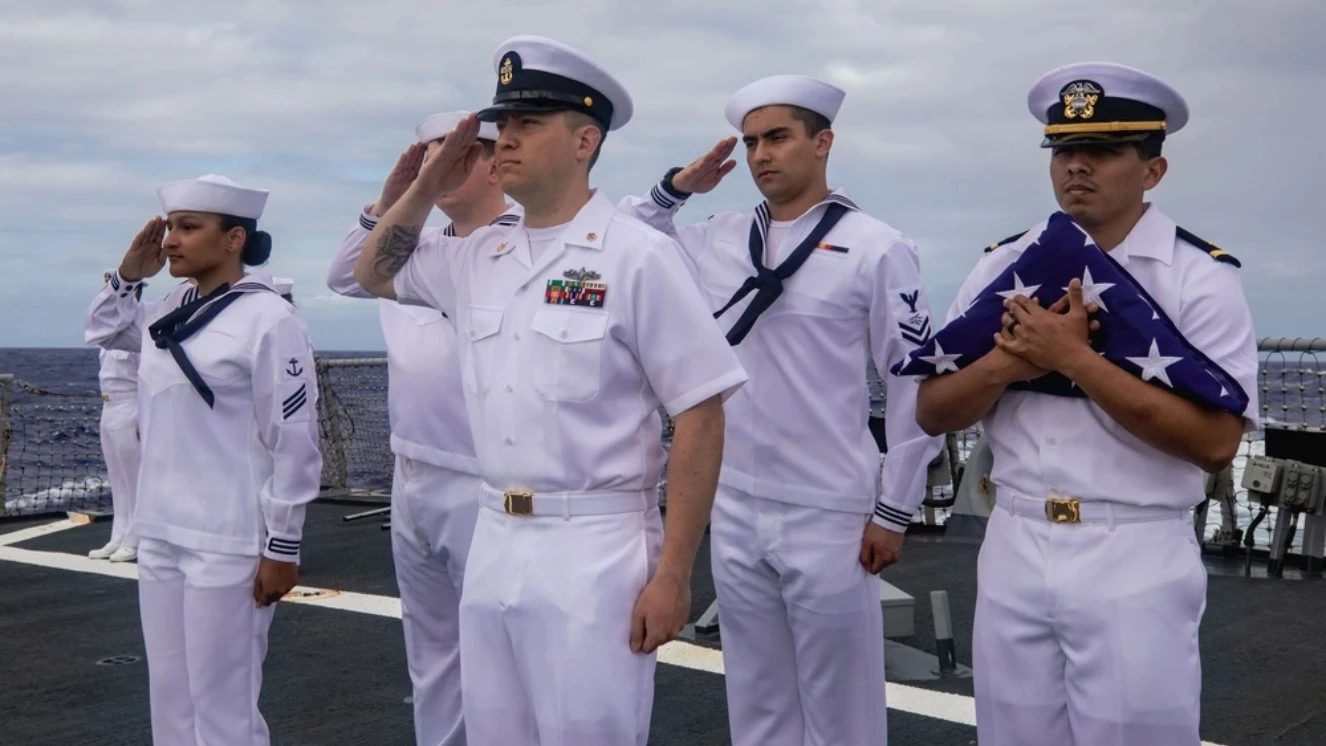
(1086, 630)
(435, 489)
(575, 325)
(227, 402)
(804, 518)
(118, 379)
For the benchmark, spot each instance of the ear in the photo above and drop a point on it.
(588, 141)
(235, 239)
(1155, 171)
(823, 142)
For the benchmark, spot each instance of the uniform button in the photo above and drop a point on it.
(510, 388)
(563, 334)
(508, 442)
(517, 336)
(1051, 441)
(471, 334)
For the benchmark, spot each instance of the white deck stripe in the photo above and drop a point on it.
(955, 708)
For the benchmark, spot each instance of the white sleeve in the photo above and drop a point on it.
(683, 351)
(1215, 318)
(341, 275)
(116, 318)
(658, 210)
(900, 321)
(285, 396)
(429, 275)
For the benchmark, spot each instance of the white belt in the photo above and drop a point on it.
(1063, 509)
(566, 504)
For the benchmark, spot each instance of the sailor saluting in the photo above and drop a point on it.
(230, 453)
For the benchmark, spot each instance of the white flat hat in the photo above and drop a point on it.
(440, 125)
(792, 90)
(213, 193)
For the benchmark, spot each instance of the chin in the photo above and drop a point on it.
(177, 270)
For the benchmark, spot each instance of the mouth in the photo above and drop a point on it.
(765, 173)
(1078, 189)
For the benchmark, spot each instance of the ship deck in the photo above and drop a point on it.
(72, 668)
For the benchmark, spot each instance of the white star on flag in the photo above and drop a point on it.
(941, 361)
(1092, 291)
(1018, 289)
(1154, 364)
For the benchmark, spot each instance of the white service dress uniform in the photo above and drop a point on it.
(435, 487)
(1086, 634)
(802, 627)
(570, 340)
(222, 484)
(118, 380)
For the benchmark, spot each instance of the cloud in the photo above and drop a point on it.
(108, 100)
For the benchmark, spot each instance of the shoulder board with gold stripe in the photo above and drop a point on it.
(1217, 253)
(1010, 239)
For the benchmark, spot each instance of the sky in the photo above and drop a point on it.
(104, 101)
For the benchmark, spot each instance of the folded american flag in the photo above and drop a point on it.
(1134, 333)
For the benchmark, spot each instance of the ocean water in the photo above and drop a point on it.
(54, 459)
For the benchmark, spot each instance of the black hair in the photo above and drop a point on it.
(257, 244)
(814, 121)
(1150, 147)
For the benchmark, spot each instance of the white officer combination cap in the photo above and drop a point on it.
(1104, 102)
(538, 74)
(789, 90)
(213, 193)
(440, 125)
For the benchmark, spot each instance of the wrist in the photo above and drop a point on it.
(669, 184)
(1078, 362)
(673, 572)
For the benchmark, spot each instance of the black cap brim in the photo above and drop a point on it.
(495, 112)
(1095, 138)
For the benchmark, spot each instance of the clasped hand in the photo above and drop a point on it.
(1048, 338)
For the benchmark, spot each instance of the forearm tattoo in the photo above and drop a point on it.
(394, 249)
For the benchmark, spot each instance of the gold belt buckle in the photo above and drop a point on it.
(1063, 510)
(105, 397)
(518, 502)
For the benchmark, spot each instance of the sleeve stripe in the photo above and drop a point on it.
(889, 513)
(662, 198)
(367, 223)
(295, 401)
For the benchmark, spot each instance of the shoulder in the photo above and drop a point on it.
(1183, 236)
(873, 237)
(1005, 241)
(629, 233)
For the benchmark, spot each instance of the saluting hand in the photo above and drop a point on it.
(704, 173)
(145, 256)
(660, 612)
(448, 168)
(1047, 338)
(401, 177)
(274, 580)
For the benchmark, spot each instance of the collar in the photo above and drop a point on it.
(587, 229)
(1152, 237)
(764, 217)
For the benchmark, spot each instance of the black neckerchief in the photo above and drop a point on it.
(768, 283)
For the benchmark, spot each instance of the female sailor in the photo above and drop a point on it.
(230, 457)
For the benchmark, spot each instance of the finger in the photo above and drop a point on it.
(723, 149)
(1020, 312)
(865, 554)
(1075, 294)
(257, 591)
(876, 561)
(637, 630)
(1092, 308)
(1060, 305)
(726, 168)
(1094, 326)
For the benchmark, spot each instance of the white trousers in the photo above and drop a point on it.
(802, 627)
(545, 626)
(432, 521)
(206, 640)
(120, 449)
(1086, 634)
